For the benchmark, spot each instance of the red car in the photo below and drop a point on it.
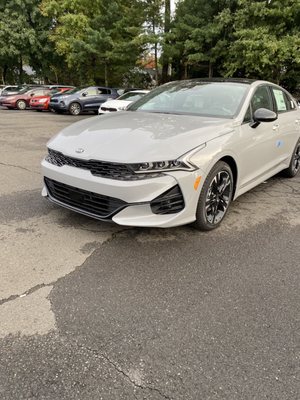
(22, 99)
(41, 102)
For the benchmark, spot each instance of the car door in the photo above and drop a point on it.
(103, 95)
(288, 123)
(88, 98)
(258, 151)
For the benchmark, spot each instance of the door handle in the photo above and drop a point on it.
(297, 121)
(275, 127)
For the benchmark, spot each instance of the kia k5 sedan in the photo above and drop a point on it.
(179, 155)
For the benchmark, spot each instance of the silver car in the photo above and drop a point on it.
(180, 154)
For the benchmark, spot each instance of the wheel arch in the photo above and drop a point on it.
(233, 166)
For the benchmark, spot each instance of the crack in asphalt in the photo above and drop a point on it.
(28, 292)
(120, 371)
(13, 297)
(18, 166)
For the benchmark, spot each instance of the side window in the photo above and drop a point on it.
(248, 116)
(103, 91)
(262, 99)
(281, 100)
(91, 92)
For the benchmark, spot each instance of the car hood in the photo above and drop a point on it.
(59, 95)
(116, 103)
(137, 136)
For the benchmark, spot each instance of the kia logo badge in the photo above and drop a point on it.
(79, 150)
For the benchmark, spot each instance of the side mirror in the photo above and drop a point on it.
(84, 94)
(32, 94)
(263, 115)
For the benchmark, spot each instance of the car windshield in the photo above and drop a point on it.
(131, 96)
(213, 99)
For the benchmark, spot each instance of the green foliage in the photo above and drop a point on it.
(257, 38)
(266, 39)
(99, 39)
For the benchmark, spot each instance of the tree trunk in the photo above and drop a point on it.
(21, 70)
(186, 70)
(155, 53)
(105, 74)
(165, 67)
(210, 69)
(4, 73)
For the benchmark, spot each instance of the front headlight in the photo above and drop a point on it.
(182, 163)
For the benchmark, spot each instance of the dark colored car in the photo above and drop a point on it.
(21, 100)
(79, 100)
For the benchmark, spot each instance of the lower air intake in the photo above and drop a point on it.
(170, 202)
(90, 203)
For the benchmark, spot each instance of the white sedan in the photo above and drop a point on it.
(180, 154)
(122, 102)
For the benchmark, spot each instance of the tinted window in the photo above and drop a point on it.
(262, 99)
(104, 91)
(248, 116)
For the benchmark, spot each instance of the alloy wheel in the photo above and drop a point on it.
(296, 159)
(75, 109)
(21, 105)
(218, 197)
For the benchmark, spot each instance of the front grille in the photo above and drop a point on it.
(54, 101)
(110, 109)
(88, 202)
(170, 202)
(98, 168)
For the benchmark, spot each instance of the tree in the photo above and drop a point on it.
(200, 34)
(266, 39)
(153, 28)
(23, 36)
(98, 38)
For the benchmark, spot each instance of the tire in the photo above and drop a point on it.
(21, 105)
(294, 166)
(215, 198)
(75, 109)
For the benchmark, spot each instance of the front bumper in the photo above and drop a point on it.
(39, 106)
(137, 195)
(8, 104)
(58, 106)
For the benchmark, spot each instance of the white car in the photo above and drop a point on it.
(180, 154)
(122, 102)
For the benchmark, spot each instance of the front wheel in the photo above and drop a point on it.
(294, 166)
(75, 108)
(21, 105)
(215, 197)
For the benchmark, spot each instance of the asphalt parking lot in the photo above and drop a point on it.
(90, 310)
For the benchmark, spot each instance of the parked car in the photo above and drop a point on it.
(41, 103)
(180, 154)
(86, 99)
(9, 91)
(122, 102)
(21, 100)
